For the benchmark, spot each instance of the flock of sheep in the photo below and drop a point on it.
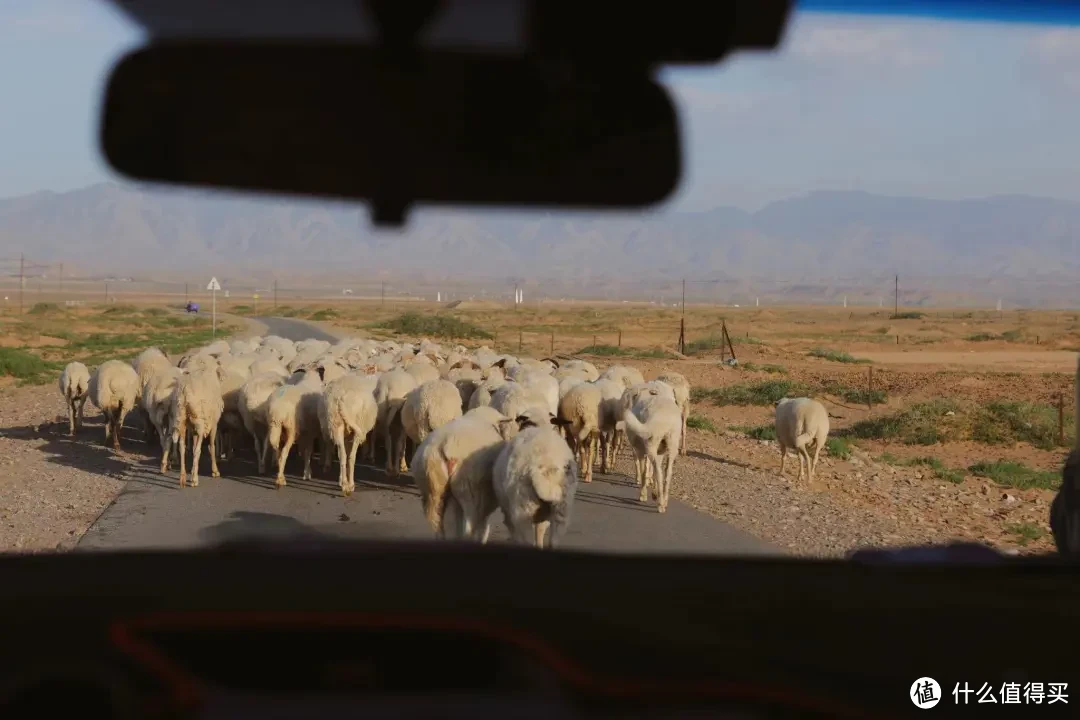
(487, 431)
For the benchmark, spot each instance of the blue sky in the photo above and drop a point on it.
(909, 107)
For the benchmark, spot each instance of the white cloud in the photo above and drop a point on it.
(1058, 45)
(898, 48)
(1057, 57)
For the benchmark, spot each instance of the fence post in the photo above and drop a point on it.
(594, 343)
(520, 339)
(1061, 419)
(620, 338)
(897, 339)
(495, 343)
(870, 388)
(552, 342)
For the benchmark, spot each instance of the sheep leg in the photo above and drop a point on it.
(71, 415)
(522, 530)
(354, 447)
(82, 404)
(541, 534)
(343, 462)
(682, 440)
(594, 440)
(804, 459)
(283, 456)
(214, 472)
(783, 458)
(182, 449)
(642, 480)
(603, 453)
(118, 422)
(307, 448)
(166, 444)
(260, 450)
(196, 451)
(369, 448)
(108, 425)
(813, 465)
(325, 449)
(665, 489)
(391, 450)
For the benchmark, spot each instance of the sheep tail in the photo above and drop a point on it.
(273, 435)
(438, 472)
(635, 426)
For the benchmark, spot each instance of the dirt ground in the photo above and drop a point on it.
(52, 490)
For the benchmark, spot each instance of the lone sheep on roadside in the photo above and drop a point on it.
(800, 424)
(74, 386)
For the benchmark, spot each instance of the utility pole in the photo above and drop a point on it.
(896, 297)
(275, 294)
(682, 321)
(22, 279)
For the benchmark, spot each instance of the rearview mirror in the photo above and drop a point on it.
(359, 123)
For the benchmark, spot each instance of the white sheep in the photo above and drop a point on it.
(391, 390)
(75, 386)
(610, 419)
(423, 370)
(113, 388)
(624, 374)
(428, 407)
(453, 469)
(253, 406)
(231, 425)
(268, 365)
(513, 399)
(146, 364)
(535, 478)
(196, 407)
(653, 429)
(801, 423)
(681, 386)
(481, 396)
(157, 401)
(581, 366)
(580, 408)
(348, 412)
(293, 417)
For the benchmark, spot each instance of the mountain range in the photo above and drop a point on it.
(1025, 249)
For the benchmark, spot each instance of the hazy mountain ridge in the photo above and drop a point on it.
(828, 234)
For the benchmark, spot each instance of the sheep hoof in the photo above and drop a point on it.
(194, 481)
(661, 508)
(215, 473)
(643, 497)
(183, 479)
(279, 483)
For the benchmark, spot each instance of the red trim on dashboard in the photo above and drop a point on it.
(187, 690)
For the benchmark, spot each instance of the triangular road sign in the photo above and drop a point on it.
(214, 284)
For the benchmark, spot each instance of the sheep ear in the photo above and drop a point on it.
(322, 372)
(458, 364)
(500, 363)
(560, 422)
(553, 361)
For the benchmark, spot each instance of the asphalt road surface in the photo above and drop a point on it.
(153, 511)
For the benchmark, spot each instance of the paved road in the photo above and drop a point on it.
(153, 511)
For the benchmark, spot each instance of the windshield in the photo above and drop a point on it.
(853, 326)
